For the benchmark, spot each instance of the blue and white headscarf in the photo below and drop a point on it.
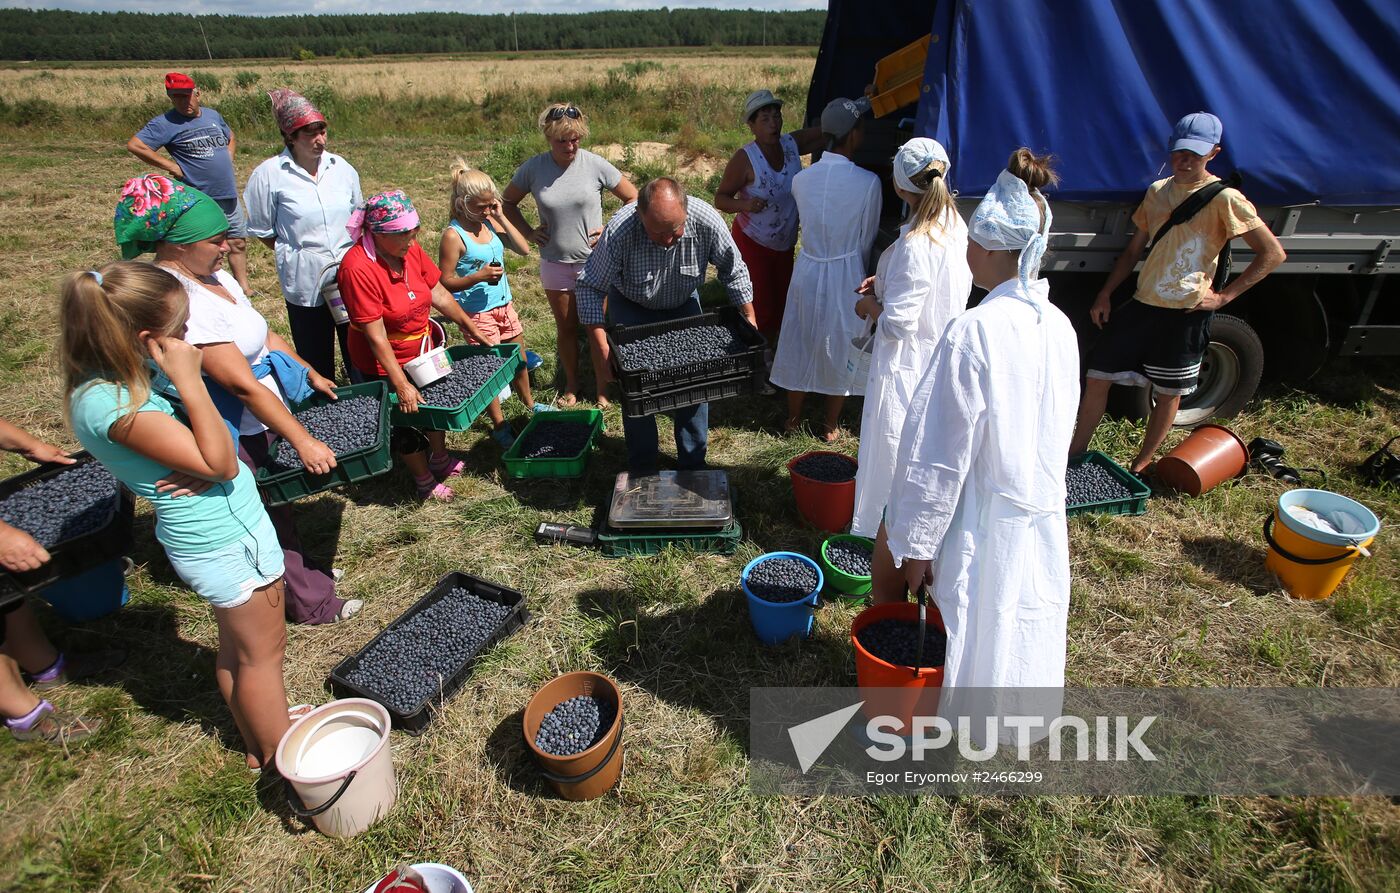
(915, 157)
(1008, 219)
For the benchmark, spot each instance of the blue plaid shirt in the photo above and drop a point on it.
(628, 262)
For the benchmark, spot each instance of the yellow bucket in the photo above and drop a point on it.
(1311, 563)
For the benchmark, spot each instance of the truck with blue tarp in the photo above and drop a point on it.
(1309, 93)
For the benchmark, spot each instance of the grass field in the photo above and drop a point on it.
(161, 799)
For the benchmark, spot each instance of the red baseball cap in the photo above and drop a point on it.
(178, 83)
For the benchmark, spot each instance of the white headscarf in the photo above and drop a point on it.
(1008, 219)
(913, 158)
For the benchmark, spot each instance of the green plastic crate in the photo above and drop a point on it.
(1135, 504)
(518, 467)
(619, 544)
(460, 418)
(280, 488)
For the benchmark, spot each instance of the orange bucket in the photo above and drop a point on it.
(1207, 457)
(1309, 563)
(825, 506)
(589, 773)
(888, 689)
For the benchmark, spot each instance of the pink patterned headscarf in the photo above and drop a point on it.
(293, 111)
(386, 212)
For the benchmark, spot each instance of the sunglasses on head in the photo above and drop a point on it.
(555, 114)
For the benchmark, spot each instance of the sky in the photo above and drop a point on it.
(480, 7)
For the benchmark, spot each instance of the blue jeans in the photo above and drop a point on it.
(692, 423)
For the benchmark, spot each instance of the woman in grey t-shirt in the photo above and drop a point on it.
(566, 183)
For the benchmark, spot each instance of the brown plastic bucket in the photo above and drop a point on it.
(589, 773)
(1208, 456)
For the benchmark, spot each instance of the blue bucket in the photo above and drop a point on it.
(91, 594)
(776, 622)
(1324, 503)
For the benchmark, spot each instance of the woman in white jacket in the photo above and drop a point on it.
(922, 283)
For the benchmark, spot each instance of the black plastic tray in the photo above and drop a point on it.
(642, 405)
(77, 555)
(642, 382)
(417, 720)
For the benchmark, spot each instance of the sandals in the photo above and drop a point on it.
(435, 491)
(52, 727)
(1268, 456)
(446, 467)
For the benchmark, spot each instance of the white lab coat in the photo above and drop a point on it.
(838, 205)
(979, 487)
(922, 284)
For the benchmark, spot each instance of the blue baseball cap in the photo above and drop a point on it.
(1198, 132)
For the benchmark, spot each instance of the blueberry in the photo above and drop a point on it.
(897, 642)
(415, 657)
(555, 439)
(850, 556)
(782, 579)
(73, 502)
(468, 375)
(344, 425)
(575, 725)
(1090, 483)
(828, 468)
(680, 347)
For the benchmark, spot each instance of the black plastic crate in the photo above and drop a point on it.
(641, 405)
(77, 555)
(415, 721)
(642, 382)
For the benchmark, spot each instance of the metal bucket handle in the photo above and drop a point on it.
(922, 597)
(299, 807)
(1298, 559)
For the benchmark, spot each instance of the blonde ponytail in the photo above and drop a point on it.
(101, 315)
(467, 184)
(930, 217)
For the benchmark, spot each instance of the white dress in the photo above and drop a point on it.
(839, 208)
(979, 487)
(923, 285)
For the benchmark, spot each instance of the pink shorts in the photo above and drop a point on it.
(501, 323)
(557, 276)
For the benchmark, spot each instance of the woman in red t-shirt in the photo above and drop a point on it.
(391, 288)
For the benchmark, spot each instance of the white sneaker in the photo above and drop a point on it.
(337, 574)
(349, 609)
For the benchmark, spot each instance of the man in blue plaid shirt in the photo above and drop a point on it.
(647, 267)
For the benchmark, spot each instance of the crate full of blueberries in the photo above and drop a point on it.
(355, 426)
(669, 365)
(1095, 483)
(453, 402)
(424, 656)
(554, 444)
(79, 513)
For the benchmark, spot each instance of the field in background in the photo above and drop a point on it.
(161, 799)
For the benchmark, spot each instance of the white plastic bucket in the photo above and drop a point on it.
(432, 362)
(858, 355)
(338, 766)
(330, 293)
(440, 879)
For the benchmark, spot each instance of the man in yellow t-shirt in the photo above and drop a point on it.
(1160, 336)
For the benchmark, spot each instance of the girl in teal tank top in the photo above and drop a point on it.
(471, 257)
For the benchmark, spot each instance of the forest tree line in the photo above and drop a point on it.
(126, 36)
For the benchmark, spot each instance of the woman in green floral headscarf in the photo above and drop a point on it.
(155, 209)
(251, 372)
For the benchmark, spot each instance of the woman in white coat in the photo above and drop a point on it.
(839, 207)
(922, 283)
(977, 504)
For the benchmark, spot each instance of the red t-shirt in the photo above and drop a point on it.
(402, 300)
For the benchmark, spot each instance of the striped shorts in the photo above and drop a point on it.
(1144, 345)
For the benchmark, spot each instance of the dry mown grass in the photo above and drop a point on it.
(161, 798)
(425, 77)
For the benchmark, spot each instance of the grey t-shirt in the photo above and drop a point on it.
(568, 199)
(199, 145)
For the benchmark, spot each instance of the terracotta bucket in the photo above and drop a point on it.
(1209, 456)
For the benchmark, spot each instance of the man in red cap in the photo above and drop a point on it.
(201, 148)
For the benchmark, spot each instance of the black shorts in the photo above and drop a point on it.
(1159, 346)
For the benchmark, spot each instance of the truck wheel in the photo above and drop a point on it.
(1230, 372)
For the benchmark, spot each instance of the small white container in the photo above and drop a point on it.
(330, 293)
(431, 363)
(440, 879)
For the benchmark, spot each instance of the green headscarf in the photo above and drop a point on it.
(157, 209)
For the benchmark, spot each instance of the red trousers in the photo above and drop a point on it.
(771, 272)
